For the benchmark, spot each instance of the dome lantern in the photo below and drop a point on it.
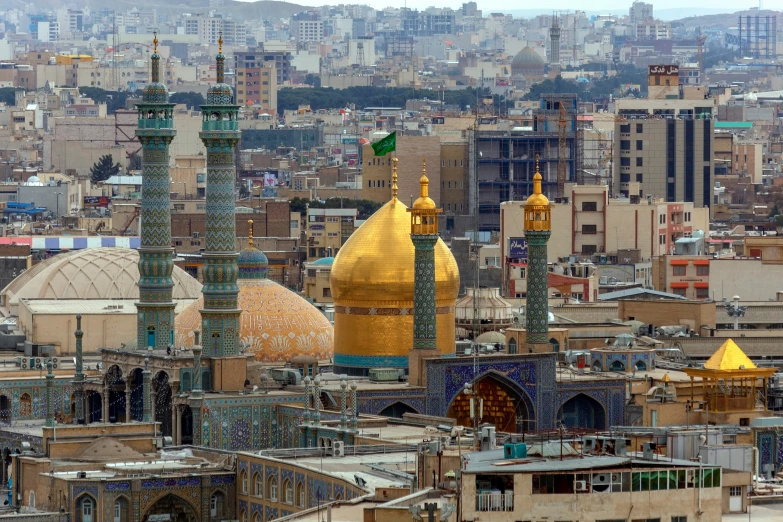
(538, 214)
(424, 213)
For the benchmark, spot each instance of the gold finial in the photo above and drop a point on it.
(220, 43)
(394, 178)
(250, 233)
(424, 182)
(155, 41)
(537, 171)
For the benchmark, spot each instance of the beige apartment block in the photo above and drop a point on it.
(686, 276)
(377, 171)
(748, 161)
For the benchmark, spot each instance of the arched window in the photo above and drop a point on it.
(289, 492)
(258, 485)
(243, 478)
(273, 489)
(641, 366)
(617, 366)
(512, 346)
(217, 504)
(257, 517)
(184, 385)
(120, 510)
(300, 494)
(25, 406)
(243, 516)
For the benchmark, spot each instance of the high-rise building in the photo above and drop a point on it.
(220, 134)
(155, 323)
(666, 146)
(538, 228)
(257, 58)
(307, 28)
(640, 11)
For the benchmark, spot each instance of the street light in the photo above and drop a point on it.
(735, 310)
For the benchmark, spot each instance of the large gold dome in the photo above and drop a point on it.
(372, 287)
(276, 324)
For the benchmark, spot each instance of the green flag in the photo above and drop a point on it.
(386, 145)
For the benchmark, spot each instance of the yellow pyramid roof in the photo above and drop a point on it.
(729, 357)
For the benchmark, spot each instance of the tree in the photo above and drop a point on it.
(775, 211)
(103, 169)
(191, 100)
(313, 79)
(134, 162)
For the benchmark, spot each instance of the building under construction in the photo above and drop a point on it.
(757, 37)
(505, 161)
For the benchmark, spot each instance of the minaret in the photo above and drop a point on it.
(155, 323)
(78, 378)
(220, 134)
(424, 234)
(538, 228)
(49, 395)
(554, 35)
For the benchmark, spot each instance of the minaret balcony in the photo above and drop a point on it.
(221, 125)
(154, 123)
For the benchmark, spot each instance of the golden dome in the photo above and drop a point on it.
(372, 287)
(276, 324)
(424, 202)
(537, 198)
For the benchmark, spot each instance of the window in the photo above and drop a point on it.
(273, 489)
(702, 293)
(118, 510)
(588, 250)
(626, 128)
(625, 144)
(289, 492)
(639, 145)
(589, 229)
(589, 206)
(678, 270)
(300, 494)
(243, 516)
(216, 504)
(86, 509)
(258, 486)
(662, 219)
(639, 177)
(327, 292)
(625, 178)
(703, 270)
(734, 491)
(680, 519)
(639, 128)
(679, 291)
(244, 481)
(625, 162)
(639, 162)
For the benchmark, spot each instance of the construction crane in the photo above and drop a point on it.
(700, 39)
(561, 150)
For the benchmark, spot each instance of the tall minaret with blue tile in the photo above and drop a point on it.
(220, 134)
(155, 324)
(424, 234)
(538, 228)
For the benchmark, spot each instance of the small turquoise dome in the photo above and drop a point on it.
(252, 264)
(220, 94)
(323, 261)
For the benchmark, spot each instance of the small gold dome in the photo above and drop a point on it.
(537, 198)
(276, 324)
(424, 202)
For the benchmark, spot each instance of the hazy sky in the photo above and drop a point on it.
(594, 5)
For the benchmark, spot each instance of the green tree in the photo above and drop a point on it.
(134, 162)
(103, 169)
(313, 79)
(192, 100)
(775, 211)
(113, 99)
(8, 96)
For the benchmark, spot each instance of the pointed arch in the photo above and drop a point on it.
(582, 411)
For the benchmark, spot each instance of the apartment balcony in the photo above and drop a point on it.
(495, 501)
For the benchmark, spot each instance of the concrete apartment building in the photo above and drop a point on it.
(327, 230)
(255, 58)
(592, 223)
(454, 178)
(258, 86)
(307, 29)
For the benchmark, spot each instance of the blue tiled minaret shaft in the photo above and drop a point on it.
(155, 324)
(424, 234)
(538, 228)
(220, 134)
(78, 378)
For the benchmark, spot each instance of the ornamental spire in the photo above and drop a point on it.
(424, 181)
(250, 233)
(537, 179)
(221, 60)
(155, 59)
(394, 178)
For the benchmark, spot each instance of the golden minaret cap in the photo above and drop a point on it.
(394, 178)
(537, 211)
(220, 43)
(424, 202)
(250, 233)
(155, 42)
(220, 67)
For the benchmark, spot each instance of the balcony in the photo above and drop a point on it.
(495, 501)
(153, 123)
(220, 125)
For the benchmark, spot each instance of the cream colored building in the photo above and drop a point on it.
(317, 285)
(327, 230)
(592, 223)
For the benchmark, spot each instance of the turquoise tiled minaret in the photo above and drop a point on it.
(155, 324)
(424, 234)
(538, 228)
(220, 134)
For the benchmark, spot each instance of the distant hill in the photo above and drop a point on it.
(270, 9)
(723, 21)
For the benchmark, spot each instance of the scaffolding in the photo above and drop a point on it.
(757, 37)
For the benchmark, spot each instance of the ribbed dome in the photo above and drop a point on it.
(220, 94)
(276, 324)
(91, 273)
(527, 61)
(372, 287)
(376, 263)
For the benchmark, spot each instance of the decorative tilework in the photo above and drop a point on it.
(318, 491)
(424, 308)
(537, 307)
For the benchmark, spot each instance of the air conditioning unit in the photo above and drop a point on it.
(445, 440)
(338, 448)
(54, 363)
(580, 485)
(602, 482)
(648, 450)
(81, 474)
(25, 364)
(589, 444)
